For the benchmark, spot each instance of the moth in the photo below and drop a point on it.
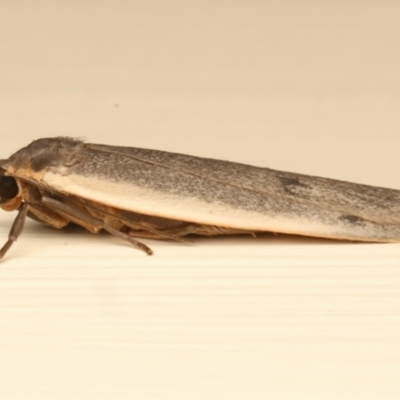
(139, 193)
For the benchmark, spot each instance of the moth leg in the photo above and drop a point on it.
(46, 216)
(89, 222)
(152, 233)
(129, 238)
(16, 229)
(205, 230)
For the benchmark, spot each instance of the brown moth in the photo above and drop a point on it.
(133, 192)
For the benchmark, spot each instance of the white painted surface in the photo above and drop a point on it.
(86, 317)
(312, 88)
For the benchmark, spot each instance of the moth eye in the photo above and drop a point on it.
(8, 188)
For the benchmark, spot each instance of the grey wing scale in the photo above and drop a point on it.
(375, 203)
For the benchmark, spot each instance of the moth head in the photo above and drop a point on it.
(10, 193)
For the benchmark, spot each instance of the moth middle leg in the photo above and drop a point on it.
(16, 229)
(78, 215)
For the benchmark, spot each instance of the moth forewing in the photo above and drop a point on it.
(132, 192)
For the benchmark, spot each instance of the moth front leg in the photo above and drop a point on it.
(16, 229)
(37, 212)
(74, 213)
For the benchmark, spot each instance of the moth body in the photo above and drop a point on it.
(133, 192)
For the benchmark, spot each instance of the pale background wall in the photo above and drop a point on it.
(308, 86)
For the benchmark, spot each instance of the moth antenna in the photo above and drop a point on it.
(16, 229)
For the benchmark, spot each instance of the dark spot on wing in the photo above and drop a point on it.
(352, 219)
(292, 185)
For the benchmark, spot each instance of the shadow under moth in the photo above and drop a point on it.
(134, 192)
